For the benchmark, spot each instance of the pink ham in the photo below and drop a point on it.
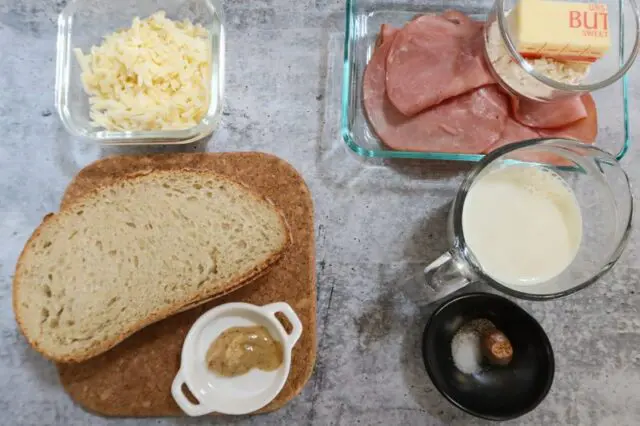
(548, 115)
(584, 130)
(516, 132)
(460, 18)
(465, 124)
(434, 58)
(513, 132)
(387, 32)
(477, 120)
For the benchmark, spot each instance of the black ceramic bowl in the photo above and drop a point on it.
(496, 392)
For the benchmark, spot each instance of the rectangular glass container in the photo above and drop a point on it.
(83, 23)
(363, 20)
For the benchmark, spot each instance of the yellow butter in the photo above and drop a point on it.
(561, 30)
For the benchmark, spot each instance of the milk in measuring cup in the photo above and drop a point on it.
(523, 224)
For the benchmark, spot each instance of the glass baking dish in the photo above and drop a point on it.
(363, 20)
(83, 23)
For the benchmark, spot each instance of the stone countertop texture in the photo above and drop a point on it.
(375, 227)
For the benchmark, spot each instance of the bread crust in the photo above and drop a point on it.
(97, 348)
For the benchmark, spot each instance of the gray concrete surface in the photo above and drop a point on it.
(376, 225)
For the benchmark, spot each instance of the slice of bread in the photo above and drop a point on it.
(138, 251)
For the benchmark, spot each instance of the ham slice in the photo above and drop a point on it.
(460, 18)
(513, 132)
(387, 32)
(548, 115)
(516, 132)
(584, 130)
(478, 119)
(434, 58)
(465, 124)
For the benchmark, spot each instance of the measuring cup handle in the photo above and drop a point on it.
(182, 401)
(288, 312)
(445, 275)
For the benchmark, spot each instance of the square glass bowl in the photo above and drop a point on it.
(363, 20)
(83, 23)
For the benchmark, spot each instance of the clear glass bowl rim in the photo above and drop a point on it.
(576, 88)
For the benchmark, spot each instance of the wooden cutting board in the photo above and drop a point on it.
(134, 378)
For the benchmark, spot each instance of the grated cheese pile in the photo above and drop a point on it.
(152, 76)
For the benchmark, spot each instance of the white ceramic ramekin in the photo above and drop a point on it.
(235, 395)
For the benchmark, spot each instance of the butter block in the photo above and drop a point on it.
(567, 31)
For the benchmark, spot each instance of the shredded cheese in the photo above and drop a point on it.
(152, 76)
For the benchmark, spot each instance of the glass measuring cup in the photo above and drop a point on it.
(602, 192)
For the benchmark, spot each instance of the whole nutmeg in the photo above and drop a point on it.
(496, 347)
